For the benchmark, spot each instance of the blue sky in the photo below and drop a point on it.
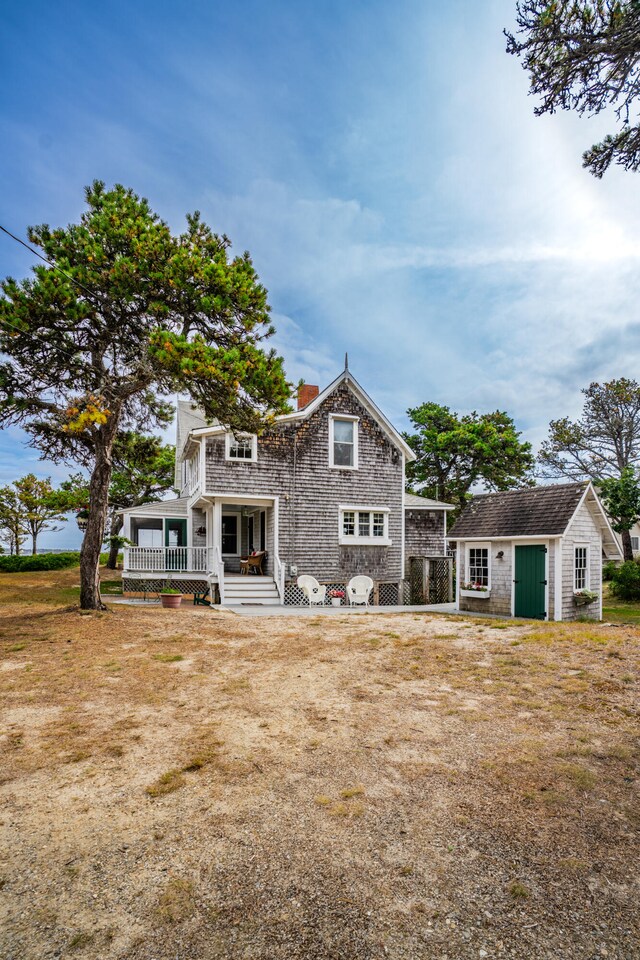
(380, 161)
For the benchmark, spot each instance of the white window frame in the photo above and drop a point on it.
(635, 544)
(356, 539)
(238, 518)
(587, 578)
(477, 546)
(350, 419)
(231, 437)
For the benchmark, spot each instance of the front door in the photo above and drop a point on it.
(530, 582)
(175, 535)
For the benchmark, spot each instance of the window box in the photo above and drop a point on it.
(476, 594)
(584, 597)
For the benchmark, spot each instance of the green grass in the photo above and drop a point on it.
(621, 611)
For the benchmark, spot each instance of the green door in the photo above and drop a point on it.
(530, 582)
(175, 535)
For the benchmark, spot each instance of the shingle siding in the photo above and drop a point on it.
(582, 530)
(423, 534)
(293, 464)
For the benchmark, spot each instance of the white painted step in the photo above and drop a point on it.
(250, 590)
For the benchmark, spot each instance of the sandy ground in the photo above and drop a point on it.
(200, 785)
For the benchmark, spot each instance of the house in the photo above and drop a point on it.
(322, 492)
(526, 553)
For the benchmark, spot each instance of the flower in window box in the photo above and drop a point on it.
(474, 586)
(584, 597)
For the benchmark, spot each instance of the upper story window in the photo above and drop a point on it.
(478, 566)
(581, 568)
(635, 544)
(243, 447)
(368, 526)
(343, 442)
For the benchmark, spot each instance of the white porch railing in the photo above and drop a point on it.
(279, 570)
(167, 559)
(217, 569)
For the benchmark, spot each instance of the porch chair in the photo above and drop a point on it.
(253, 563)
(313, 591)
(359, 589)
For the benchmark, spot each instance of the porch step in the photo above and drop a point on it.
(249, 589)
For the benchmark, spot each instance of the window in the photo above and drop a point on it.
(343, 442)
(230, 534)
(244, 447)
(635, 544)
(478, 566)
(365, 527)
(581, 568)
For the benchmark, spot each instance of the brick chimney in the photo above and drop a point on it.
(306, 394)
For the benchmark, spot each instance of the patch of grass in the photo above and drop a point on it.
(80, 940)
(581, 777)
(207, 754)
(166, 783)
(518, 890)
(177, 901)
(322, 800)
(167, 657)
(351, 792)
(16, 647)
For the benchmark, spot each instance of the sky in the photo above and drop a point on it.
(380, 161)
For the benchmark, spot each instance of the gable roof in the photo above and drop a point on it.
(530, 512)
(347, 377)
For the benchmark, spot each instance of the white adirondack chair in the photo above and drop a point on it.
(313, 591)
(359, 589)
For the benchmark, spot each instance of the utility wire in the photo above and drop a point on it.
(51, 263)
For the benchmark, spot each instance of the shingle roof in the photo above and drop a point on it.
(534, 511)
(413, 501)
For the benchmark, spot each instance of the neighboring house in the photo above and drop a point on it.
(322, 492)
(530, 550)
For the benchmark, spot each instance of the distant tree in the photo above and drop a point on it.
(602, 444)
(12, 526)
(621, 497)
(456, 452)
(126, 314)
(585, 56)
(143, 470)
(40, 507)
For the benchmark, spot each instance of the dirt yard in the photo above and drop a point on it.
(200, 785)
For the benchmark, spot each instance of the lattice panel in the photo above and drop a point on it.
(416, 581)
(155, 586)
(387, 594)
(439, 580)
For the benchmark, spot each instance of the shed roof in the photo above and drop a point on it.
(413, 501)
(532, 511)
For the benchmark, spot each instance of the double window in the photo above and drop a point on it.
(243, 447)
(478, 566)
(581, 568)
(364, 526)
(343, 442)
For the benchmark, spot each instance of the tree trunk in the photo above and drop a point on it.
(627, 550)
(90, 598)
(116, 527)
(34, 540)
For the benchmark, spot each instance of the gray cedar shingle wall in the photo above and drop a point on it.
(501, 577)
(423, 534)
(583, 530)
(310, 491)
(198, 520)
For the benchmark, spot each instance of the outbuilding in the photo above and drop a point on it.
(535, 552)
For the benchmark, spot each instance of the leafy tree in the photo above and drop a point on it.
(602, 444)
(584, 56)
(621, 497)
(456, 452)
(124, 314)
(39, 505)
(12, 526)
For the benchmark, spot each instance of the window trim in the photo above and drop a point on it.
(230, 437)
(636, 541)
(238, 519)
(351, 419)
(480, 545)
(356, 540)
(587, 579)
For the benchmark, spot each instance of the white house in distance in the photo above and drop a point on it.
(530, 552)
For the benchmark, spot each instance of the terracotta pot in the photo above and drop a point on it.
(171, 600)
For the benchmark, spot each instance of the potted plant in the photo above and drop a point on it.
(337, 596)
(583, 597)
(477, 590)
(169, 597)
